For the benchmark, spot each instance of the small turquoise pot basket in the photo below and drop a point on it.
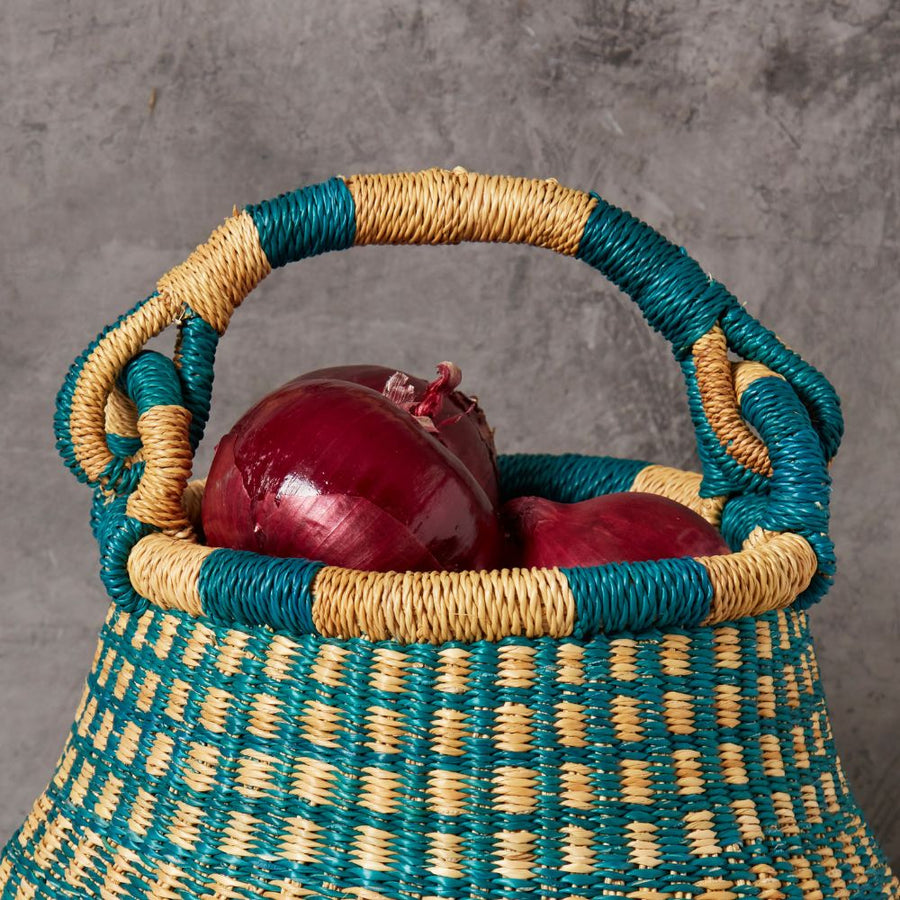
(267, 727)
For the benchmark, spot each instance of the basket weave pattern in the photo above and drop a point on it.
(326, 763)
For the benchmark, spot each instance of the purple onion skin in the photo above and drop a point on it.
(624, 527)
(470, 438)
(333, 471)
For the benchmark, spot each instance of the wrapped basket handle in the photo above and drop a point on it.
(135, 444)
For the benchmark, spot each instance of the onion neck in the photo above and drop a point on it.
(400, 392)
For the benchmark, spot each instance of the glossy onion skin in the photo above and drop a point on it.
(330, 470)
(470, 438)
(624, 527)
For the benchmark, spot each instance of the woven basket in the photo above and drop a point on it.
(261, 727)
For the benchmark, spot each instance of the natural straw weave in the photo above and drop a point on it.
(262, 727)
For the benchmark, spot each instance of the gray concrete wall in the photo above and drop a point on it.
(763, 137)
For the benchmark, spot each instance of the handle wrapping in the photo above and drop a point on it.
(776, 482)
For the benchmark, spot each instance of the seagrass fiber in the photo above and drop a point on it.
(208, 762)
(255, 726)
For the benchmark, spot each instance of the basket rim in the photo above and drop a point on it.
(769, 572)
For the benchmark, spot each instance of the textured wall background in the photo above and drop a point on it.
(763, 137)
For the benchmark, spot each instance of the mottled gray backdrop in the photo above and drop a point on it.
(763, 137)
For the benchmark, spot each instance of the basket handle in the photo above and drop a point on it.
(698, 316)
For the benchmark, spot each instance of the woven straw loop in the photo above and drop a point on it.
(721, 403)
(85, 401)
(150, 381)
(152, 378)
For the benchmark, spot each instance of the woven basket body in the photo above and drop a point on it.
(260, 727)
(217, 763)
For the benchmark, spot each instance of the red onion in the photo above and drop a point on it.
(333, 470)
(460, 422)
(625, 527)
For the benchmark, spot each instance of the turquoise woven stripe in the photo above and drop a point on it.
(195, 357)
(306, 222)
(566, 478)
(106, 515)
(151, 379)
(800, 489)
(675, 295)
(177, 706)
(120, 474)
(99, 512)
(627, 597)
(117, 533)
(122, 446)
(722, 474)
(800, 485)
(740, 516)
(250, 589)
(63, 411)
(753, 341)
